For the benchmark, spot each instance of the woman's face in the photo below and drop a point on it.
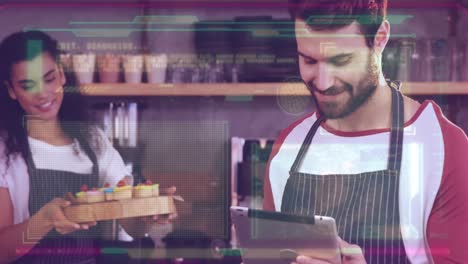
(37, 85)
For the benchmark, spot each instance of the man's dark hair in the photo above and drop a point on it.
(335, 14)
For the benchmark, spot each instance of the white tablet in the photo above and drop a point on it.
(274, 237)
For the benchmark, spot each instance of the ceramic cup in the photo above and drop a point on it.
(83, 66)
(66, 62)
(109, 68)
(156, 65)
(133, 68)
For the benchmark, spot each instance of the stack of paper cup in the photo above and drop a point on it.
(109, 68)
(133, 68)
(156, 65)
(83, 66)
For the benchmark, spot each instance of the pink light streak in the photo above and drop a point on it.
(209, 4)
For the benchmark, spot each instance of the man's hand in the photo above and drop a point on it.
(163, 219)
(350, 254)
(53, 215)
(139, 226)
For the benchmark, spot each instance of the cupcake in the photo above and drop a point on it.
(108, 192)
(89, 196)
(146, 189)
(122, 191)
(95, 196)
(81, 197)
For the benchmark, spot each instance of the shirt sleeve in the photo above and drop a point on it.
(268, 203)
(268, 200)
(447, 230)
(3, 182)
(112, 168)
(3, 166)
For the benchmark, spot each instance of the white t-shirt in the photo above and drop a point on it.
(71, 158)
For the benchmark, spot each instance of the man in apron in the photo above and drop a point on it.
(369, 157)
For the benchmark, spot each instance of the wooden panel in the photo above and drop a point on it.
(120, 209)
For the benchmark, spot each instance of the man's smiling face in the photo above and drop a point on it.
(339, 69)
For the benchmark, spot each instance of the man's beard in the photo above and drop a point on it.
(362, 92)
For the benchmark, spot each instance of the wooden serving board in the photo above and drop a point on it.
(120, 209)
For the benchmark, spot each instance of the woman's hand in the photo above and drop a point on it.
(350, 254)
(53, 215)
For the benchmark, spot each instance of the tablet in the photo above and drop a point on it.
(274, 237)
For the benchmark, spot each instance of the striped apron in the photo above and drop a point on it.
(364, 205)
(78, 247)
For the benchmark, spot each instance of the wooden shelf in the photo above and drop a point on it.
(250, 89)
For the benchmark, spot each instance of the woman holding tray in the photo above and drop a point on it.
(47, 148)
